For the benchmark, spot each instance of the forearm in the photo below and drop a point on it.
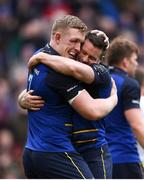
(93, 109)
(105, 106)
(136, 121)
(138, 129)
(66, 66)
(139, 133)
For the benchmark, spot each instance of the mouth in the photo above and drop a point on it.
(80, 60)
(73, 55)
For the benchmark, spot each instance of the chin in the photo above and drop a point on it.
(71, 57)
(80, 60)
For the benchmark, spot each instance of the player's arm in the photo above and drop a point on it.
(83, 103)
(94, 109)
(134, 117)
(28, 101)
(64, 65)
(132, 111)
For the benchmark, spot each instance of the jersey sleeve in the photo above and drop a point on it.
(66, 86)
(102, 76)
(131, 94)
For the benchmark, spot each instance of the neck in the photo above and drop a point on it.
(142, 90)
(120, 66)
(52, 44)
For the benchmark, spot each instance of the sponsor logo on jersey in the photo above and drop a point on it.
(36, 71)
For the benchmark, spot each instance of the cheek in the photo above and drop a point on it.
(81, 56)
(65, 42)
(134, 62)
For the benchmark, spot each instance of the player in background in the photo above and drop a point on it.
(140, 78)
(125, 124)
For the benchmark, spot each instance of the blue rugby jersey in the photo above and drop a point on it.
(122, 142)
(91, 134)
(49, 129)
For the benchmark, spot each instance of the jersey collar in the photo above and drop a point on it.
(53, 51)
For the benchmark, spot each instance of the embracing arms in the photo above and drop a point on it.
(84, 104)
(95, 109)
(64, 65)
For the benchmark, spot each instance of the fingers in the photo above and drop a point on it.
(34, 109)
(30, 91)
(32, 97)
(35, 102)
(114, 84)
(32, 102)
(114, 88)
(32, 62)
(113, 81)
(35, 105)
(114, 92)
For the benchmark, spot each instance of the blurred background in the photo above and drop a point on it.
(25, 26)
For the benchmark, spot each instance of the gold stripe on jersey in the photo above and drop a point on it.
(85, 141)
(68, 124)
(85, 131)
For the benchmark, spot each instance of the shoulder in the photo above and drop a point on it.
(131, 82)
(123, 79)
(102, 75)
(131, 90)
(101, 68)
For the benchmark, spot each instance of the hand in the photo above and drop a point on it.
(34, 60)
(114, 88)
(114, 91)
(29, 101)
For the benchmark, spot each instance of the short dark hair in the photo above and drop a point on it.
(97, 40)
(120, 48)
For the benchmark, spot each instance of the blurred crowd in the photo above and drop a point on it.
(25, 26)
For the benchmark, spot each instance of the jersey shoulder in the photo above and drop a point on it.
(102, 75)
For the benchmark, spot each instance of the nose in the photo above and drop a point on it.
(77, 47)
(136, 63)
(85, 59)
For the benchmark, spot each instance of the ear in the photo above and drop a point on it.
(57, 37)
(125, 63)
